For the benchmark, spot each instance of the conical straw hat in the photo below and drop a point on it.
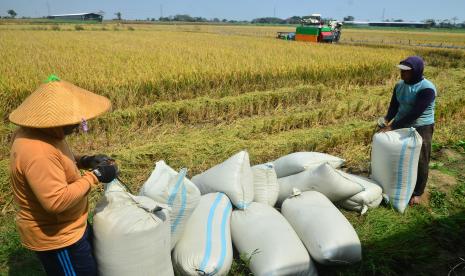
(58, 103)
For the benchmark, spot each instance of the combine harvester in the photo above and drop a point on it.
(313, 29)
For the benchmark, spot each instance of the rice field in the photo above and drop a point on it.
(195, 94)
(403, 36)
(135, 69)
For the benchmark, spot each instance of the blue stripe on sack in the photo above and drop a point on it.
(410, 166)
(226, 214)
(208, 246)
(174, 191)
(400, 172)
(181, 210)
(69, 263)
(65, 270)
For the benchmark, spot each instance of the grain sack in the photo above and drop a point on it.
(394, 164)
(205, 246)
(265, 182)
(326, 233)
(299, 161)
(131, 234)
(232, 177)
(324, 179)
(263, 235)
(167, 186)
(369, 198)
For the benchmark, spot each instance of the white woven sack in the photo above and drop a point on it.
(232, 177)
(263, 235)
(358, 206)
(326, 233)
(324, 179)
(369, 198)
(299, 161)
(131, 234)
(265, 182)
(167, 186)
(205, 247)
(394, 164)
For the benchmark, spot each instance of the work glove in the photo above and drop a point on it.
(106, 172)
(91, 161)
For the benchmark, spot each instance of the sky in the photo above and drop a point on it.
(372, 10)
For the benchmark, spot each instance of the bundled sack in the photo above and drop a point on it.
(232, 177)
(299, 161)
(394, 164)
(324, 179)
(265, 182)
(326, 233)
(167, 186)
(131, 234)
(369, 198)
(205, 247)
(264, 236)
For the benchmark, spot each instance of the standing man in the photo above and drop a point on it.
(412, 105)
(48, 187)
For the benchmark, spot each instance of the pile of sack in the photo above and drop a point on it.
(191, 225)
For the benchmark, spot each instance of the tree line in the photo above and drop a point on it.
(435, 23)
(445, 23)
(188, 18)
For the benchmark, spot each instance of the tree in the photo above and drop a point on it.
(454, 19)
(294, 20)
(184, 18)
(12, 13)
(430, 22)
(349, 18)
(200, 19)
(445, 23)
(118, 16)
(268, 20)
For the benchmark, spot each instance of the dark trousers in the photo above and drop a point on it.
(426, 132)
(74, 260)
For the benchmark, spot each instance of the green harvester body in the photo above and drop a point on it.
(308, 30)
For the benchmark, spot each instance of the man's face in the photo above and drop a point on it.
(67, 130)
(406, 75)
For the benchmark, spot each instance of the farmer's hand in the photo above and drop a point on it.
(106, 172)
(91, 161)
(385, 129)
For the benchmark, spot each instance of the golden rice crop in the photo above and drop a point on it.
(423, 37)
(209, 77)
(139, 68)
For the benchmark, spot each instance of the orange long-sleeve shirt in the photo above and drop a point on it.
(49, 190)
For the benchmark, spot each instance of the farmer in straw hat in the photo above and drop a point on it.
(412, 105)
(47, 185)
